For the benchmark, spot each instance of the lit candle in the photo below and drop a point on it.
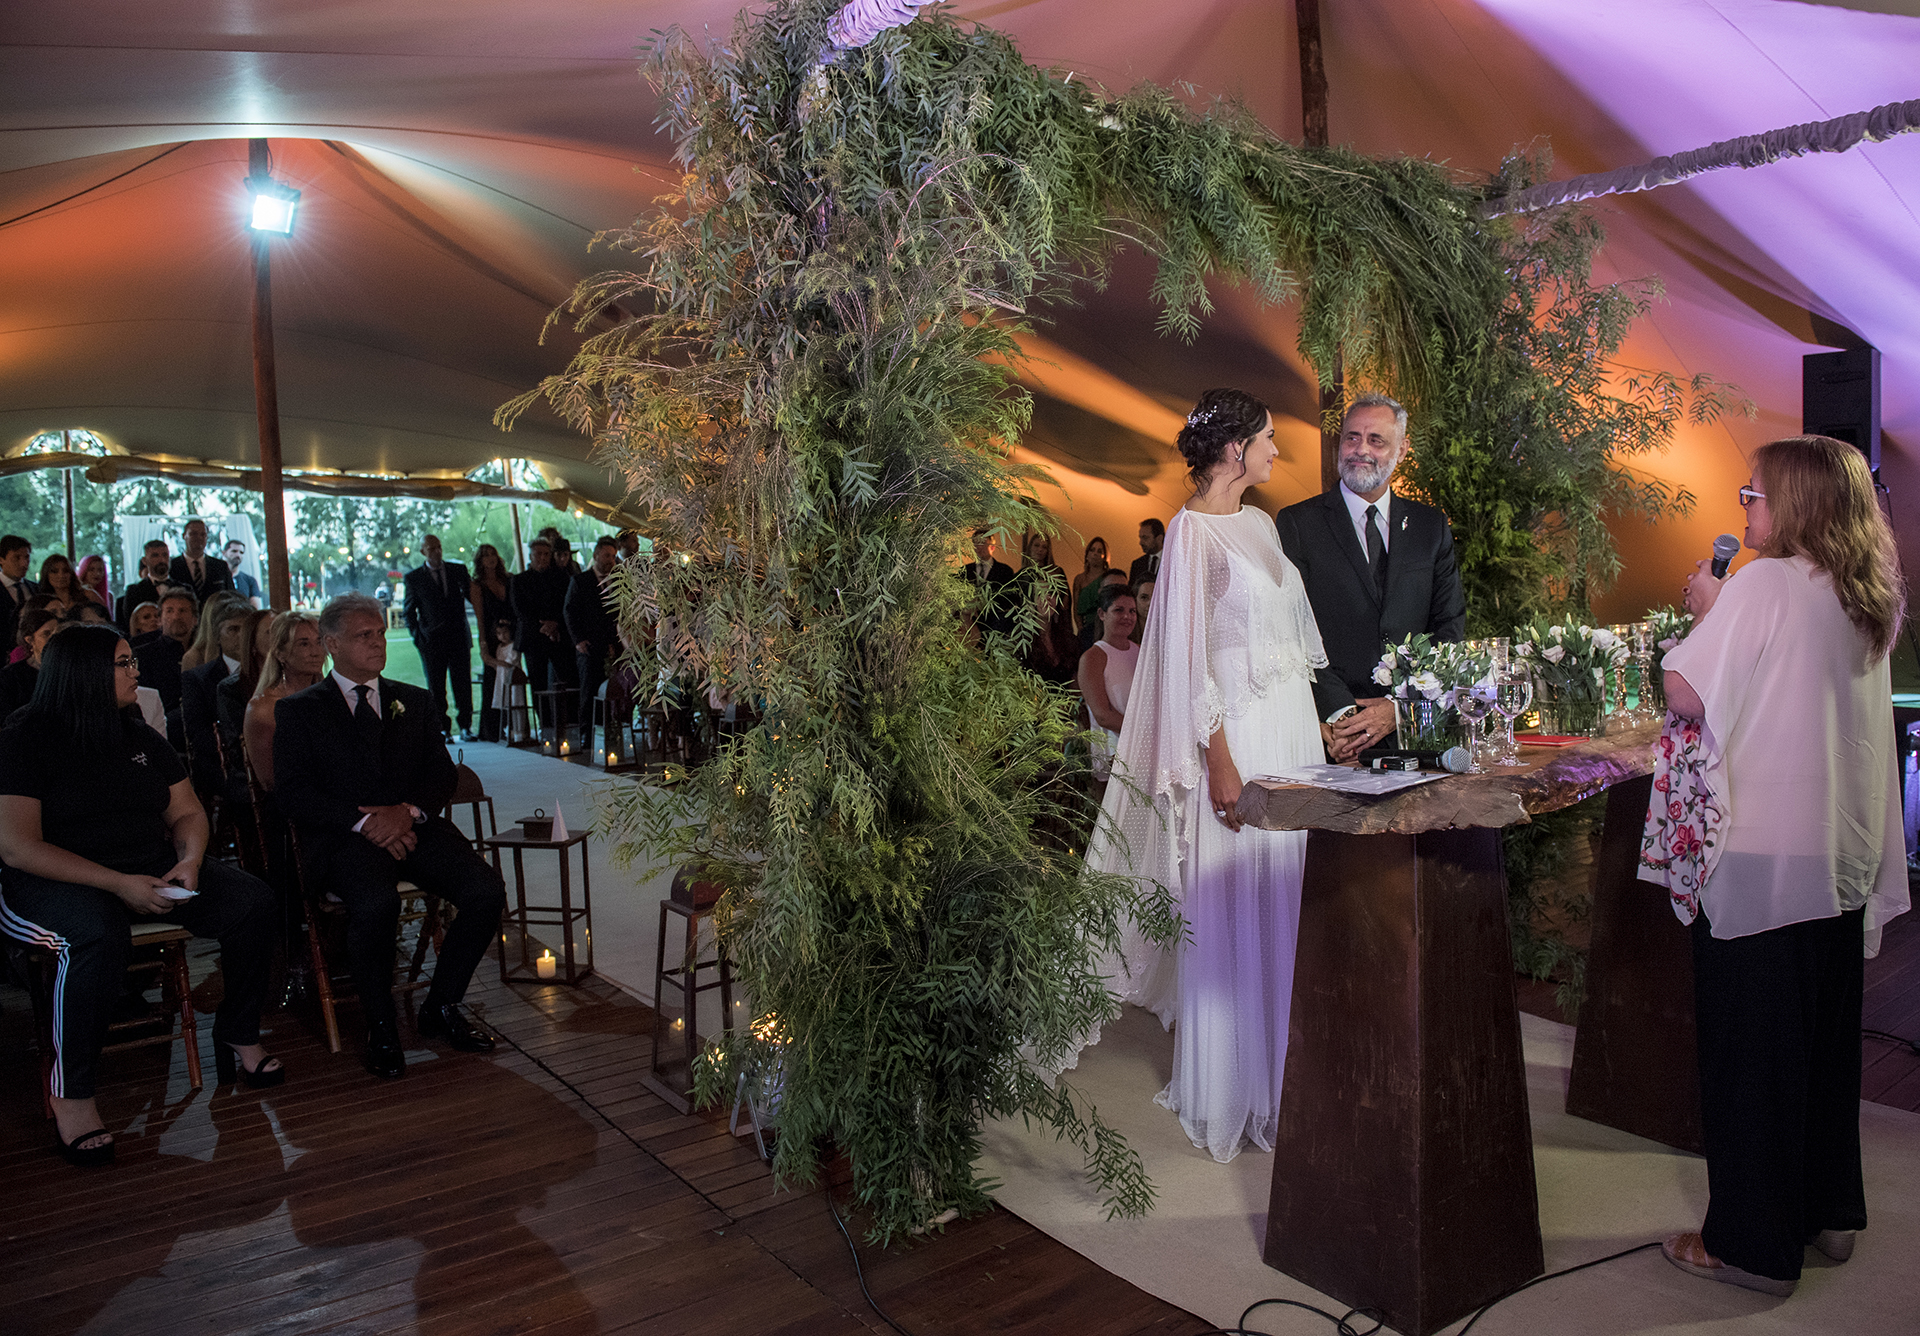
(563, 746)
(546, 965)
(609, 758)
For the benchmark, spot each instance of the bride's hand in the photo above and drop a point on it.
(1223, 787)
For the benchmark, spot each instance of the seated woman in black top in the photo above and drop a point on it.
(99, 826)
(37, 626)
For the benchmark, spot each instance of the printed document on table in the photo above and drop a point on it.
(1345, 779)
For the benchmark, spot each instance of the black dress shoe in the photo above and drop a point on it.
(449, 1024)
(384, 1057)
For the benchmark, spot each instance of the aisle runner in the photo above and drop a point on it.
(1600, 1191)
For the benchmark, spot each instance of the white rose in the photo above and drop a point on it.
(1383, 675)
(1554, 653)
(1523, 650)
(1557, 632)
(1604, 639)
(1669, 642)
(1426, 684)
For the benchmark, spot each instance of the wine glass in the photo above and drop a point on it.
(1643, 651)
(1475, 703)
(1512, 694)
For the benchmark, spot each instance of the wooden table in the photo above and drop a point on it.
(1403, 1168)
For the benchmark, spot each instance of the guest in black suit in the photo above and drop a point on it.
(1377, 568)
(993, 587)
(539, 596)
(153, 583)
(364, 783)
(160, 657)
(1146, 566)
(16, 554)
(594, 629)
(199, 570)
(436, 615)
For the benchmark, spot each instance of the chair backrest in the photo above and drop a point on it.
(467, 787)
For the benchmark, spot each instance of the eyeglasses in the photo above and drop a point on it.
(1748, 496)
(124, 664)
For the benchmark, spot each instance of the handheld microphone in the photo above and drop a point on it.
(1723, 549)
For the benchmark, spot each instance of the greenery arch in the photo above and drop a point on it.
(802, 402)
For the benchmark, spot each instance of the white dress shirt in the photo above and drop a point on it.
(349, 690)
(1357, 507)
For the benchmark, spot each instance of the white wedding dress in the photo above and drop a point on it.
(1231, 643)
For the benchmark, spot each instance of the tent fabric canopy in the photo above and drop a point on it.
(455, 160)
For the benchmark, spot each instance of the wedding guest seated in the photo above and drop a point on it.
(93, 577)
(214, 614)
(90, 614)
(142, 622)
(1106, 672)
(37, 627)
(63, 591)
(99, 829)
(152, 584)
(294, 661)
(235, 691)
(360, 767)
(161, 656)
(223, 628)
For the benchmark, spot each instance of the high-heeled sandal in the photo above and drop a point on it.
(228, 1067)
(86, 1157)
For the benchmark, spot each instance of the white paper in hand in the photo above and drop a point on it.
(559, 823)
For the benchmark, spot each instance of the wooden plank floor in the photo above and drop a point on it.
(541, 1189)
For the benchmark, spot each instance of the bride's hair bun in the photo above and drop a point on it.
(1216, 422)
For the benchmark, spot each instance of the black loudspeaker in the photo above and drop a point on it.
(1840, 397)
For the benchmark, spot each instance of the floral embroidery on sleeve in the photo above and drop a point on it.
(1681, 842)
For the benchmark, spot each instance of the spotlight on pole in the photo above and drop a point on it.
(273, 205)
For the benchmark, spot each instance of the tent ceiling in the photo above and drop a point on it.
(457, 154)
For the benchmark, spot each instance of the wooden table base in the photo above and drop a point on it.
(1403, 1171)
(1634, 1063)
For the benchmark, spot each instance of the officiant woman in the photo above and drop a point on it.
(1794, 787)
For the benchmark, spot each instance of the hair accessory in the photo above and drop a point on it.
(1200, 416)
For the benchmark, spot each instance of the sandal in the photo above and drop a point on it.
(1682, 1248)
(87, 1157)
(228, 1067)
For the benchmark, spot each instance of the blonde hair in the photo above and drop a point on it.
(1821, 502)
(279, 641)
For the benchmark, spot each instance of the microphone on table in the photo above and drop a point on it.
(1454, 760)
(1723, 549)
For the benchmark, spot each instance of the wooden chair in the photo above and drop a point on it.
(332, 985)
(469, 792)
(159, 948)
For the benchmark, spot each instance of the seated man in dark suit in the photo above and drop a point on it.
(1377, 568)
(198, 569)
(152, 585)
(16, 554)
(361, 768)
(159, 658)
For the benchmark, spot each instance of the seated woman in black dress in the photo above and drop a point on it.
(37, 626)
(99, 828)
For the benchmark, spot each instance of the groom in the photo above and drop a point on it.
(360, 767)
(1377, 568)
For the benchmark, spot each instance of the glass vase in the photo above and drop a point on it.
(1425, 725)
(1570, 711)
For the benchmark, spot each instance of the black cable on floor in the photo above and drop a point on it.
(858, 1271)
(1343, 1324)
(1913, 1045)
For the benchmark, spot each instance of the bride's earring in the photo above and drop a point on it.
(1239, 454)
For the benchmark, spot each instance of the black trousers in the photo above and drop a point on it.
(441, 662)
(492, 721)
(549, 666)
(1778, 1015)
(88, 932)
(591, 668)
(364, 876)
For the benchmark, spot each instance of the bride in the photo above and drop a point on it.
(1222, 693)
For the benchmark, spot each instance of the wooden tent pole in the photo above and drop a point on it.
(266, 397)
(66, 479)
(1313, 133)
(519, 551)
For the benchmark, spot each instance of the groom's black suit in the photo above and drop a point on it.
(1357, 620)
(327, 766)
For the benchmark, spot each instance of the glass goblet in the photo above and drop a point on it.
(1475, 703)
(1512, 694)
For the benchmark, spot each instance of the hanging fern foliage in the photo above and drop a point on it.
(809, 399)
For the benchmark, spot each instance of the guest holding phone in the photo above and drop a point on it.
(100, 828)
(1781, 797)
